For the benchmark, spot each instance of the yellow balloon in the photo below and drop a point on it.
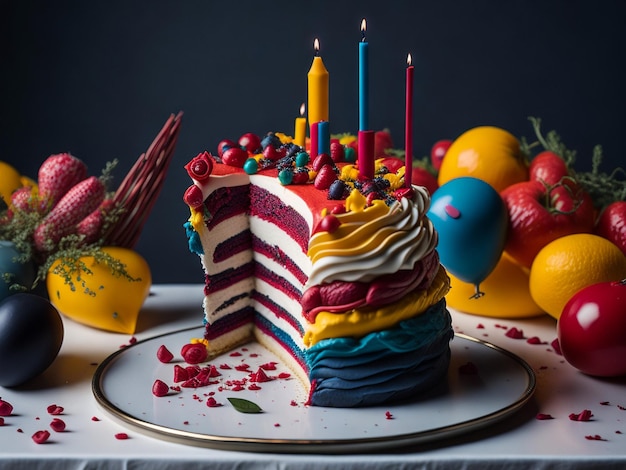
(506, 289)
(103, 299)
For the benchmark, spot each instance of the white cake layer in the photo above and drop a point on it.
(217, 299)
(288, 304)
(218, 234)
(274, 236)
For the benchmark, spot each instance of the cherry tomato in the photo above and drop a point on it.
(592, 329)
(612, 224)
(548, 168)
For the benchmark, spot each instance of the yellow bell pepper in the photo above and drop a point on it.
(10, 180)
(103, 299)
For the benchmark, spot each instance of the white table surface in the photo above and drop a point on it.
(519, 441)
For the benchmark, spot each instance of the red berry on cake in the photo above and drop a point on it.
(193, 197)
(321, 160)
(225, 145)
(235, 156)
(250, 142)
(325, 177)
(329, 224)
(336, 151)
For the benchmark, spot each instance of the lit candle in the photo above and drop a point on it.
(323, 137)
(363, 80)
(300, 129)
(408, 125)
(318, 88)
(313, 152)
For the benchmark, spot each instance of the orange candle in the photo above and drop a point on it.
(300, 129)
(318, 88)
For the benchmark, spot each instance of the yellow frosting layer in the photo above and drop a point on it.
(362, 321)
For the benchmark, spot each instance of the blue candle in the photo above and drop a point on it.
(363, 81)
(323, 137)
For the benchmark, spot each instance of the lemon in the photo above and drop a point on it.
(506, 291)
(487, 153)
(568, 264)
(10, 180)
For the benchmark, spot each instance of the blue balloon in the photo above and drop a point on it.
(472, 223)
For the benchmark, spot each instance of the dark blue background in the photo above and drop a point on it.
(99, 79)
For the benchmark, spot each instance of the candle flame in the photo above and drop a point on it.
(316, 45)
(408, 59)
(363, 29)
(302, 109)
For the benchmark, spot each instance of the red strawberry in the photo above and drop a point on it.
(91, 226)
(325, 177)
(612, 224)
(337, 152)
(57, 175)
(74, 206)
(382, 142)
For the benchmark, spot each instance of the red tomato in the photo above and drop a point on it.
(540, 214)
(547, 167)
(592, 329)
(612, 224)
(438, 151)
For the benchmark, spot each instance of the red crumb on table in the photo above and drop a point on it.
(235, 354)
(5, 408)
(259, 376)
(132, 340)
(225, 367)
(54, 409)
(164, 355)
(534, 340)
(194, 353)
(254, 387)
(120, 436)
(480, 326)
(1, 421)
(584, 415)
(293, 403)
(595, 437)
(556, 346)
(284, 375)
(621, 407)
(95, 418)
(180, 374)
(276, 425)
(605, 403)
(57, 425)
(212, 403)
(269, 366)
(388, 415)
(468, 369)
(542, 416)
(514, 333)
(41, 436)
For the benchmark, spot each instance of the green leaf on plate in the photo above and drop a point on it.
(245, 406)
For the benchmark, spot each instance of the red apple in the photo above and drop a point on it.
(592, 329)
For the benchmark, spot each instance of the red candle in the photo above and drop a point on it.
(366, 144)
(314, 140)
(408, 125)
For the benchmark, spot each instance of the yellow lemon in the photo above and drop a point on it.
(570, 263)
(487, 153)
(10, 180)
(506, 293)
(103, 299)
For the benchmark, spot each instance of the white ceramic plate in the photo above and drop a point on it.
(122, 385)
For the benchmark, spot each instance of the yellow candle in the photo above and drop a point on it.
(318, 88)
(300, 130)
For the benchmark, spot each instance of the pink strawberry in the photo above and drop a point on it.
(57, 175)
(91, 226)
(75, 205)
(23, 200)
